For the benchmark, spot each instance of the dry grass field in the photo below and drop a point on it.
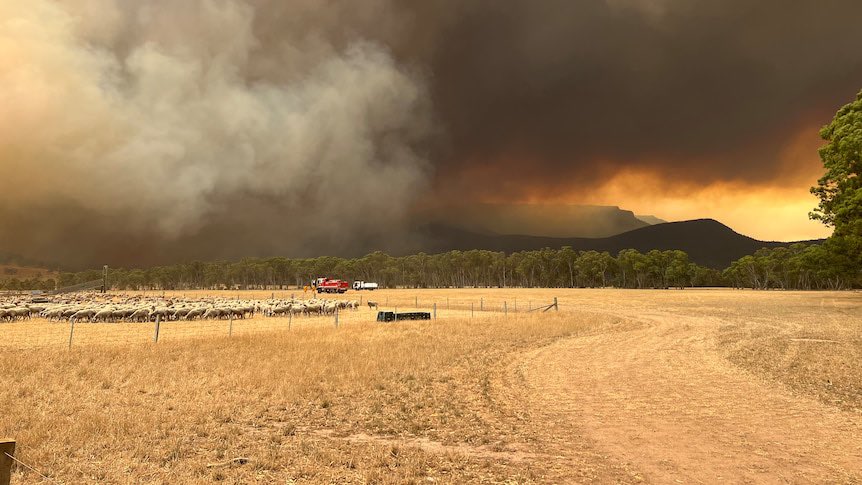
(619, 386)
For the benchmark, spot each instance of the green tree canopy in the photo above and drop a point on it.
(840, 188)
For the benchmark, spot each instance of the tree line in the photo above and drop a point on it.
(800, 266)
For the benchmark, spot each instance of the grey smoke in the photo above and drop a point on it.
(159, 118)
(141, 131)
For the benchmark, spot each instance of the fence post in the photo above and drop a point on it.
(336, 317)
(289, 318)
(416, 302)
(396, 314)
(556, 306)
(158, 323)
(435, 310)
(481, 304)
(7, 451)
(71, 331)
(516, 305)
(447, 302)
(230, 328)
(471, 309)
(505, 309)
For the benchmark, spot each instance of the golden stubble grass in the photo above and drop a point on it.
(299, 404)
(163, 413)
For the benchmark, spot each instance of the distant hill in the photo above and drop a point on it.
(651, 220)
(707, 241)
(14, 271)
(15, 266)
(548, 220)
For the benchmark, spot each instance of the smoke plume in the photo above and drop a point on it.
(160, 121)
(143, 131)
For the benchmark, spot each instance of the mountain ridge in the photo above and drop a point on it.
(708, 242)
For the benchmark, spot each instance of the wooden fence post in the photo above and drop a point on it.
(481, 304)
(396, 314)
(156, 334)
(505, 310)
(7, 451)
(71, 331)
(416, 302)
(556, 306)
(289, 318)
(336, 317)
(471, 309)
(230, 328)
(435, 310)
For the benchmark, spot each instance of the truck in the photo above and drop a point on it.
(329, 285)
(364, 285)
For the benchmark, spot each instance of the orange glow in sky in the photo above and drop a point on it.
(775, 210)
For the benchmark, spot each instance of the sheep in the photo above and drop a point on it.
(330, 308)
(140, 315)
(281, 310)
(162, 313)
(195, 313)
(20, 312)
(296, 309)
(84, 314)
(106, 315)
(313, 308)
(118, 315)
(55, 314)
(67, 313)
(212, 313)
(180, 313)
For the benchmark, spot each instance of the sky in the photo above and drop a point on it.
(141, 131)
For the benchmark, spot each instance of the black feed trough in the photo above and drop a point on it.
(392, 316)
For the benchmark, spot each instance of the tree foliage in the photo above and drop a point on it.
(455, 269)
(840, 188)
(830, 265)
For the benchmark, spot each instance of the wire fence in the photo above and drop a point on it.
(41, 333)
(37, 333)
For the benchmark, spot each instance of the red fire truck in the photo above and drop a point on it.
(328, 285)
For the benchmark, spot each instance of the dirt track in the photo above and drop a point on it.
(662, 403)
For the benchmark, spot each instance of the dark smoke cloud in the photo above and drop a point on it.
(137, 131)
(701, 90)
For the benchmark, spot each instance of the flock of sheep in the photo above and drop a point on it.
(99, 308)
